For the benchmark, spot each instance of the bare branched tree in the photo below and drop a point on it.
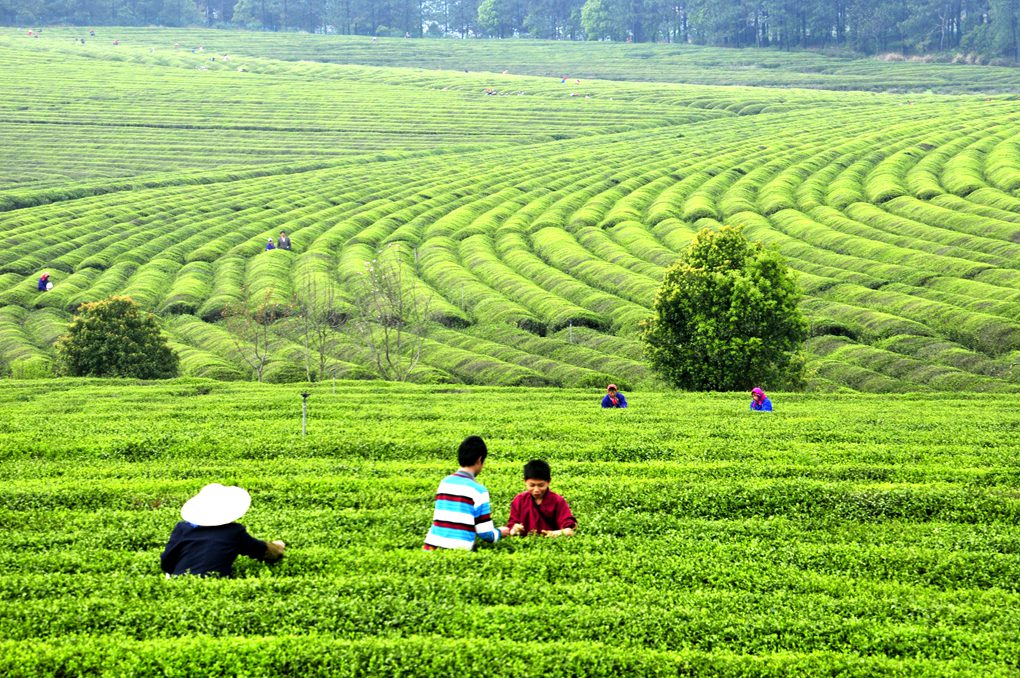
(391, 317)
(320, 316)
(249, 321)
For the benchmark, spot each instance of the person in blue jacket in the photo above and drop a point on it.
(44, 282)
(613, 398)
(270, 245)
(759, 401)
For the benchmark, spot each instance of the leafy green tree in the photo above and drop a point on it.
(726, 317)
(1005, 20)
(603, 19)
(501, 18)
(115, 338)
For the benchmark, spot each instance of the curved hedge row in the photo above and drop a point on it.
(524, 220)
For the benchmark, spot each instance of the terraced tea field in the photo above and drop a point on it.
(676, 63)
(539, 219)
(850, 534)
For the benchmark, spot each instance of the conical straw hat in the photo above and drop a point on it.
(216, 505)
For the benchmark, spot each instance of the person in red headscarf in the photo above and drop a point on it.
(613, 398)
(759, 401)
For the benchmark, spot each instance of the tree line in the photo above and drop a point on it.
(987, 27)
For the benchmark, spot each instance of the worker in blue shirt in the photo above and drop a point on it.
(759, 401)
(613, 398)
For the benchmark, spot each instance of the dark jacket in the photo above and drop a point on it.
(209, 550)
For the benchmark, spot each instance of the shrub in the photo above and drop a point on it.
(31, 368)
(726, 317)
(113, 338)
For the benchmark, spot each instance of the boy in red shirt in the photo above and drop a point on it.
(537, 510)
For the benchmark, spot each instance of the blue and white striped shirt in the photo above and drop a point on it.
(461, 512)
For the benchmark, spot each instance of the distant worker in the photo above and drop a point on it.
(759, 401)
(537, 510)
(462, 510)
(92, 32)
(283, 242)
(208, 540)
(270, 245)
(45, 284)
(613, 398)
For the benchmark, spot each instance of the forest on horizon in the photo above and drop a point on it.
(987, 29)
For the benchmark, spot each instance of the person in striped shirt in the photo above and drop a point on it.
(462, 509)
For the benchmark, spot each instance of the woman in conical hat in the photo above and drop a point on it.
(208, 540)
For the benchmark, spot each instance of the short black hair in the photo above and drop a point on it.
(536, 469)
(471, 450)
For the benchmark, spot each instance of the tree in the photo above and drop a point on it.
(115, 338)
(319, 317)
(391, 315)
(1005, 21)
(726, 317)
(502, 18)
(602, 19)
(249, 321)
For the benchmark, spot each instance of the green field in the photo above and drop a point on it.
(539, 220)
(845, 535)
(868, 527)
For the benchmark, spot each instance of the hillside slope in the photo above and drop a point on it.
(539, 219)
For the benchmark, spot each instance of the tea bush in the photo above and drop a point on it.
(845, 534)
(543, 214)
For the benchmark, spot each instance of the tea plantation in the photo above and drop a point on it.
(539, 218)
(844, 535)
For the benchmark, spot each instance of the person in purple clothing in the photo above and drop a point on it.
(613, 398)
(759, 401)
(208, 541)
(44, 282)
